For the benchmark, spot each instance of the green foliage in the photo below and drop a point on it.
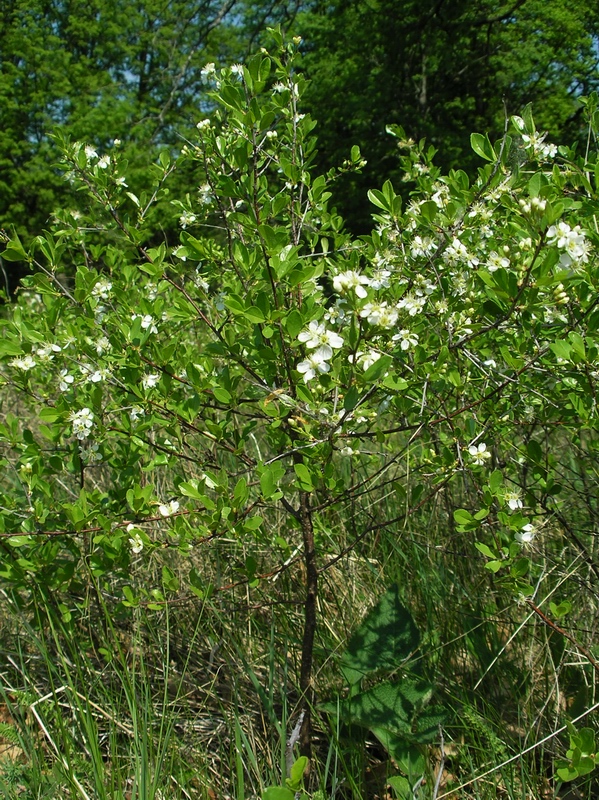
(269, 379)
(395, 710)
(581, 757)
(441, 72)
(293, 784)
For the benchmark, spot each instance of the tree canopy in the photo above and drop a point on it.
(132, 71)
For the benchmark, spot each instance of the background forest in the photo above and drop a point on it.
(98, 71)
(298, 425)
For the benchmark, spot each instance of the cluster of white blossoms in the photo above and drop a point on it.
(149, 381)
(526, 535)
(205, 194)
(456, 252)
(25, 363)
(379, 314)
(572, 241)
(540, 149)
(83, 422)
(187, 218)
(346, 281)
(322, 341)
(102, 289)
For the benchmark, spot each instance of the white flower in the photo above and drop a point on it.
(187, 218)
(102, 289)
(167, 509)
(526, 535)
(495, 261)
(456, 251)
(339, 313)
(147, 322)
(364, 359)
(90, 152)
(413, 304)
(103, 162)
(422, 247)
(380, 278)
(317, 336)
(313, 365)
(90, 454)
(237, 69)
(513, 500)
(441, 197)
(46, 353)
(479, 453)
(572, 241)
(373, 312)
(149, 381)
(99, 375)
(102, 345)
(203, 124)
(136, 542)
(406, 338)
(135, 413)
(120, 181)
(548, 151)
(83, 422)
(26, 363)
(271, 134)
(351, 280)
(209, 70)
(65, 380)
(205, 193)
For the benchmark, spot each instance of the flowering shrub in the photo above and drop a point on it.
(167, 394)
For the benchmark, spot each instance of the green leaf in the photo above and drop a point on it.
(277, 793)
(560, 609)
(304, 477)
(14, 250)
(495, 480)
(293, 323)
(222, 395)
(463, 517)
(567, 773)
(254, 314)
(351, 398)
(482, 147)
(486, 551)
(401, 786)
(378, 369)
(385, 639)
(295, 779)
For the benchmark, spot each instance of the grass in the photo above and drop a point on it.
(198, 698)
